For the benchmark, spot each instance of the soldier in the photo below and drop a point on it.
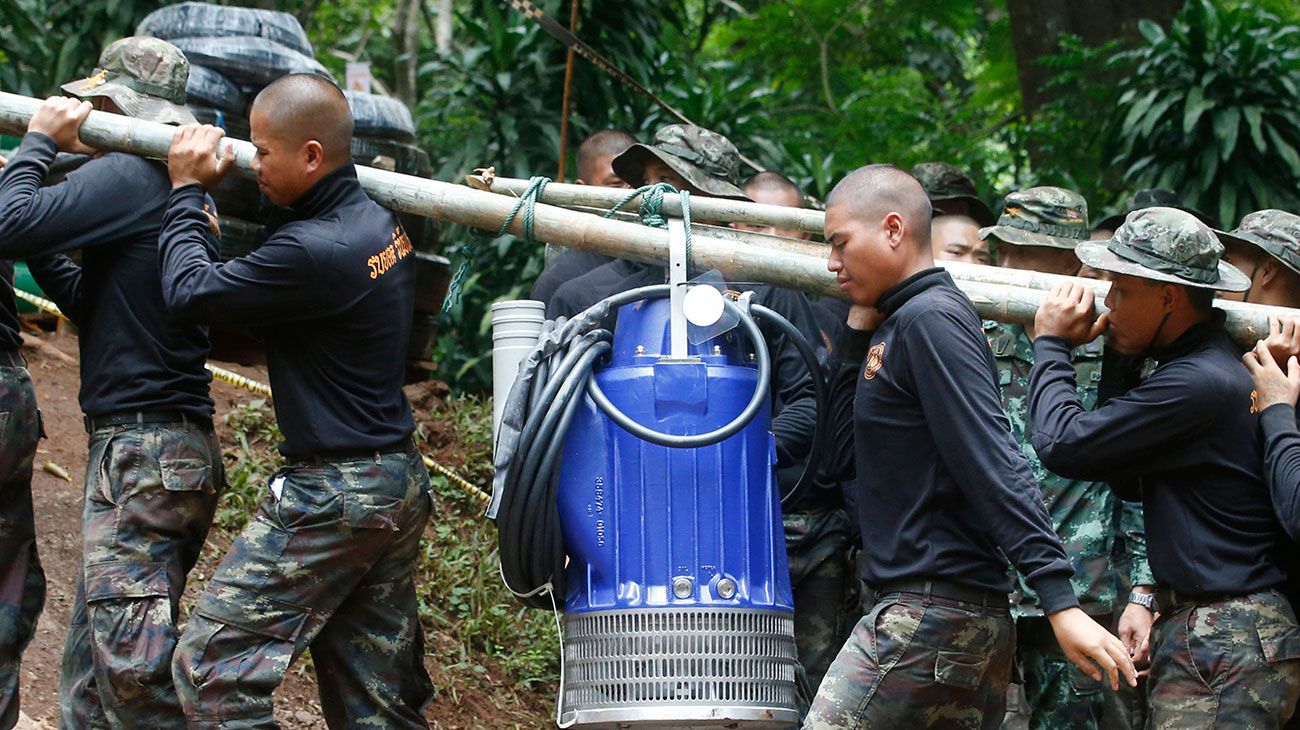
(959, 212)
(1226, 647)
(595, 156)
(327, 562)
(916, 383)
(1038, 231)
(22, 582)
(154, 468)
(1266, 245)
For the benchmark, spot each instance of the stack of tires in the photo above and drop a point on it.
(234, 53)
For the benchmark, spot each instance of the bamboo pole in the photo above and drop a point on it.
(714, 210)
(1005, 295)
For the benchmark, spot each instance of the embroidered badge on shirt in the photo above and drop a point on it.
(875, 359)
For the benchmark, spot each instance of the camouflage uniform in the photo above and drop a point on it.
(151, 492)
(1216, 660)
(22, 582)
(1217, 664)
(824, 584)
(327, 563)
(1056, 693)
(888, 676)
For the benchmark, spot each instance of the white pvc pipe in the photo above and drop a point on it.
(516, 325)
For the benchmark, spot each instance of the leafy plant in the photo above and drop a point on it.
(1210, 110)
(252, 425)
(45, 43)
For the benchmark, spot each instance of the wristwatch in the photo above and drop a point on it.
(1145, 600)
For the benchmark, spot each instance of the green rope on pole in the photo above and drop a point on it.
(527, 204)
(652, 210)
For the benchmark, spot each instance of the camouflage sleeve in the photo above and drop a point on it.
(1133, 527)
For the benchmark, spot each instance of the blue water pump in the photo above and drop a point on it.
(645, 496)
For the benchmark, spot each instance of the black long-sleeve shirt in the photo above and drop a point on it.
(941, 484)
(331, 291)
(1282, 464)
(1186, 443)
(794, 403)
(134, 355)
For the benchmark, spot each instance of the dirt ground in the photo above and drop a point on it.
(52, 360)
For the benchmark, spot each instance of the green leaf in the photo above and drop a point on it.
(1138, 109)
(1254, 118)
(1151, 31)
(1194, 107)
(1227, 124)
(1285, 151)
(1155, 114)
(1227, 204)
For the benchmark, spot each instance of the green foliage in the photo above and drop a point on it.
(45, 43)
(461, 593)
(1210, 110)
(249, 462)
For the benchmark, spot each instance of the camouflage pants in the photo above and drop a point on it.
(917, 663)
(22, 582)
(825, 587)
(151, 492)
(327, 564)
(1234, 663)
(1055, 692)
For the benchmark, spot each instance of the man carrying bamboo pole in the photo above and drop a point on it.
(1226, 648)
(1038, 231)
(154, 471)
(595, 167)
(1266, 244)
(959, 212)
(943, 491)
(328, 560)
(22, 581)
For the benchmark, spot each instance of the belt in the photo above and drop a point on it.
(141, 418)
(11, 359)
(1168, 599)
(948, 590)
(400, 446)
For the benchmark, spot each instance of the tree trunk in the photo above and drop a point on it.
(442, 38)
(406, 37)
(1037, 26)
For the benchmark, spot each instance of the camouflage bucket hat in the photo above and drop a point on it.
(705, 159)
(1151, 198)
(1165, 244)
(1275, 231)
(1042, 216)
(945, 184)
(145, 78)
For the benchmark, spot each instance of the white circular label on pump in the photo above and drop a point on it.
(702, 305)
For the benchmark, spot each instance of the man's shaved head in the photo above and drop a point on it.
(302, 107)
(773, 188)
(873, 191)
(771, 181)
(596, 152)
(878, 226)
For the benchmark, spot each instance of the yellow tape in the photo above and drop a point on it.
(265, 390)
